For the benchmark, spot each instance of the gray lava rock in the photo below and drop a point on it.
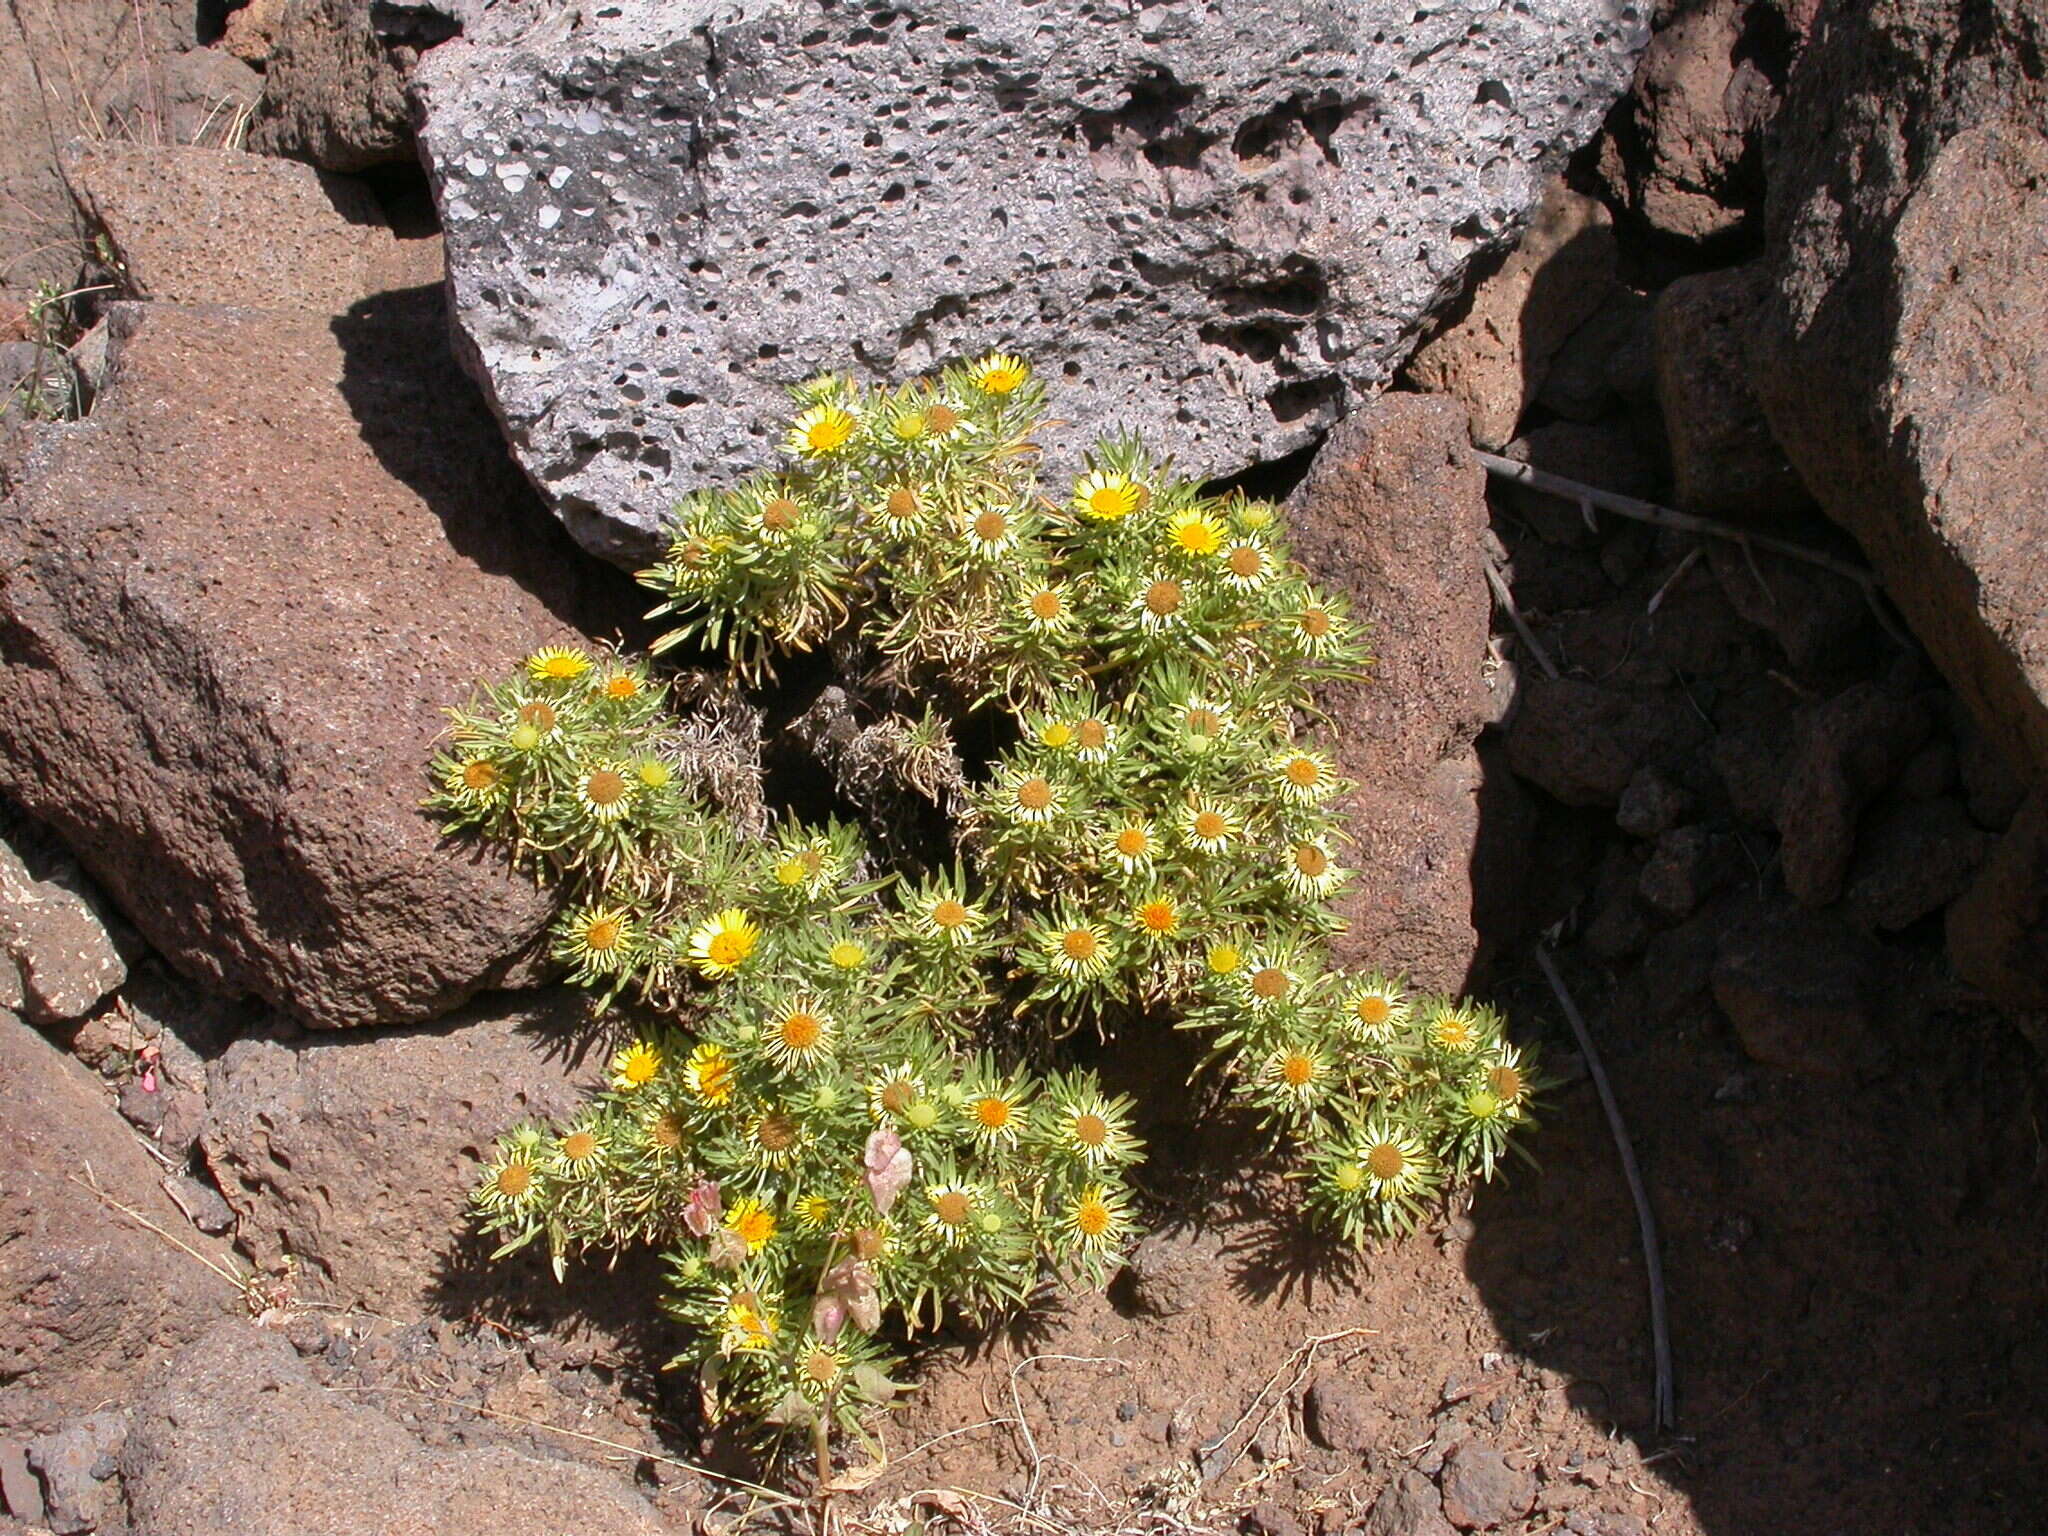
(74, 1464)
(1210, 224)
(1408, 1506)
(56, 961)
(221, 1442)
(1481, 1491)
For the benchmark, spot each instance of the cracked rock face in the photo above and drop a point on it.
(1213, 224)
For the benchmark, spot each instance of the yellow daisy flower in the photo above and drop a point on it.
(1105, 495)
(1194, 532)
(821, 430)
(557, 664)
(720, 945)
(999, 374)
(709, 1074)
(635, 1067)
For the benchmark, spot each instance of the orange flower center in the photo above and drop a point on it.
(1093, 735)
(775, 1133)
(479, 775)
(1201, 721)
(822, 1367)
(992, 1113)
(952, 1207)
(622, 686)
(902, 503)
(1132, 842)
(1373, 1010)
(1506, 1084)
(514, 1179)
(1311, 860)
(1245, 561)
(1045, 605)
(779, 516)
(802, 1031)
(538, 715)
(991, 526)
(1303, 772)
(578, 1145)
(949, 914)
(1271, 983)
(1034, 794)
(666, 1132)
(1079, 944)
(1210, 825)
(868, 1242)
(1314, 623)
(1091, 1218)
(1297, 1070)
(603, 935)
(1091, 1130)
(1158, 916)
(1385, 1161)
(942, 418)
(728, 948)
(1163, 598)
(605, 787)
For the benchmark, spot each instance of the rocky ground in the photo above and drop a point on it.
(1780, 822)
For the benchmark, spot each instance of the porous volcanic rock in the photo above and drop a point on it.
(236, 1436)
(1685, 154)
(1902, 352)
(1494, 358)
(334, 88)
(1723, 457)
(88, 1298)
(61, 64)
(1212, 225)
(56, 961)
(1393, 517)
(320, 1159)
(240, 596)
(216, 226)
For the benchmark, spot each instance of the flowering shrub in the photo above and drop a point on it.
(834, 1124)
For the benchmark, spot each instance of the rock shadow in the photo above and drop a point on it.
(1853, 1261)
(432, 430)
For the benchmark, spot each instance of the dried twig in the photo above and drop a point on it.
(1304, 1357)
(1646, 1221)
(1690, 522)
(1506, 599)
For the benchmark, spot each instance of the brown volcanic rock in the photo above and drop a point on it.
(237, 1436)
(216, 226)
(1902, 355)
(1393, 516)
(241, 595)
(1684, 152)
(88, 1299)
(1493, 360)
(319, 1159)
